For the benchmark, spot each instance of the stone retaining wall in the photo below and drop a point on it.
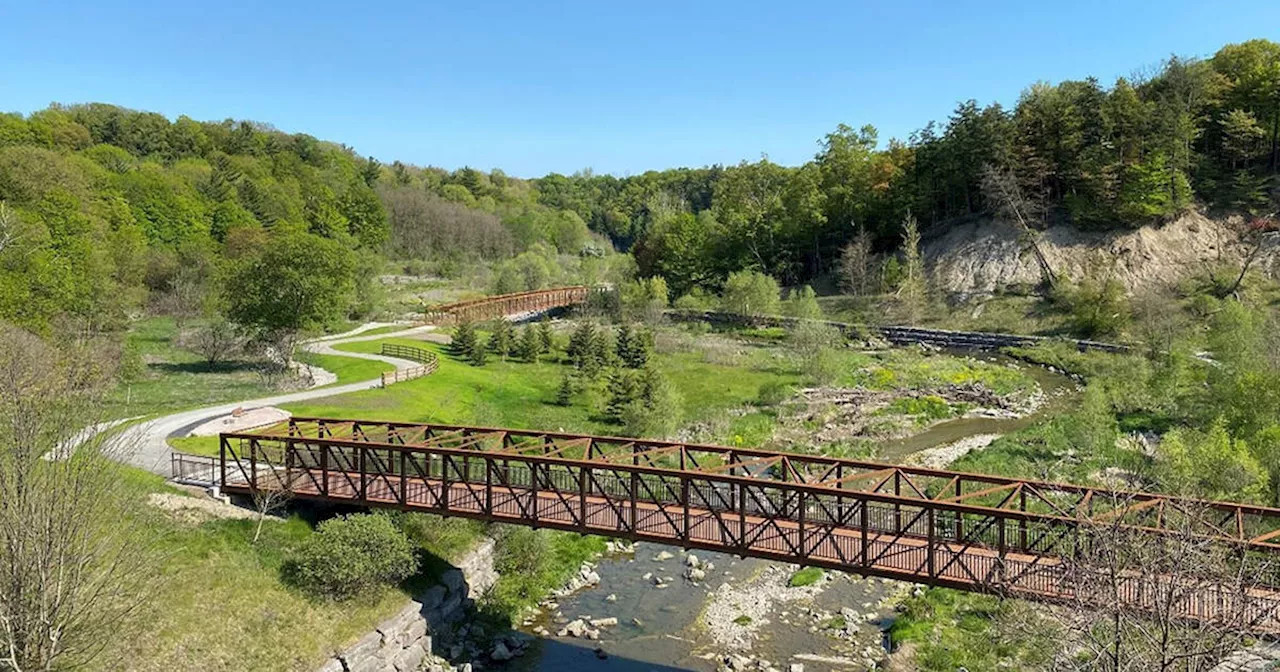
(897, 335)
(403, 642)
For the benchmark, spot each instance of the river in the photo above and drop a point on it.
(681, 626)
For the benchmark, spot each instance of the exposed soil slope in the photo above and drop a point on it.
(981, 257)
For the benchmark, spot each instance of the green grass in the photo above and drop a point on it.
(347, 369)
(559, 556)
(221, 604)
(518, 394)
(389, 329)
(806, 577)
(908, 368)
(170, 378)
(953, 630)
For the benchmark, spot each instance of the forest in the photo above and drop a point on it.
(108, 210)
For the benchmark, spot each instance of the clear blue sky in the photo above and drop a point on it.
(620, 87)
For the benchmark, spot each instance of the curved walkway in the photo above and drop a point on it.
(146, 445)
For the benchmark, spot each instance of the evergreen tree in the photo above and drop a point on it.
(599, 354)
(579, 341)
(528, 345)
(638, 346)
(478, 353)
(624, 344)
(624, 390)
(564, 393)
(501, 341)
(545, 337)
(464, 340)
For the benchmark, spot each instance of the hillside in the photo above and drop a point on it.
(986, 256)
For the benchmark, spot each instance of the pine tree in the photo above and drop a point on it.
(580, 344)
(528, 346)
(641, 348)
(633, 347)
(464, 340)
(624, 389)
(545, 337)
(599, 354)
(479, 353)
(624, 344)
(564, 393)
(501, 341)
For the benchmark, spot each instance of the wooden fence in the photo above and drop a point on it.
(430, 362)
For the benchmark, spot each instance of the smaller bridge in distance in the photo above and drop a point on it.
(503, 305)
(974, 532)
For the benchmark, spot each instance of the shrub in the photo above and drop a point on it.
(1095, 309)
(351, 555)
(928, 408)
(806, 577)
(697, 300)
(814, 343)
(644, 300)
(803, 303)
(750, 293)
(773, 393)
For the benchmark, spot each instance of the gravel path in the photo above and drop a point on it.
(145, 444)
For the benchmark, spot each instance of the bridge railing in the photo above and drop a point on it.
(191, 469)
(479, 473)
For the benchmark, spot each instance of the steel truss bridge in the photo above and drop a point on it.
(493, 307)
(974, 532)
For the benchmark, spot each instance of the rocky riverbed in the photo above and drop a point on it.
(657, 608)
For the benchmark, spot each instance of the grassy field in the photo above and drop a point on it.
(519, 394)
(221, 604)
(167, 377)
(347, 369)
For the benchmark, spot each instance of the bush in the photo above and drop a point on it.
(696, 300)
(773, 393)
(806, 577)
(351, 555)
(644, 300)
(803, 303)
(750, 293)
(1095, 309)
(814, 343)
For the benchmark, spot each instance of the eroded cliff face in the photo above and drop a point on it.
(982, 257)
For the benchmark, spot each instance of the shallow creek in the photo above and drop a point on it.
(667, 628)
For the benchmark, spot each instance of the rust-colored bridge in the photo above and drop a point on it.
(974, 532)
(493, 307)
